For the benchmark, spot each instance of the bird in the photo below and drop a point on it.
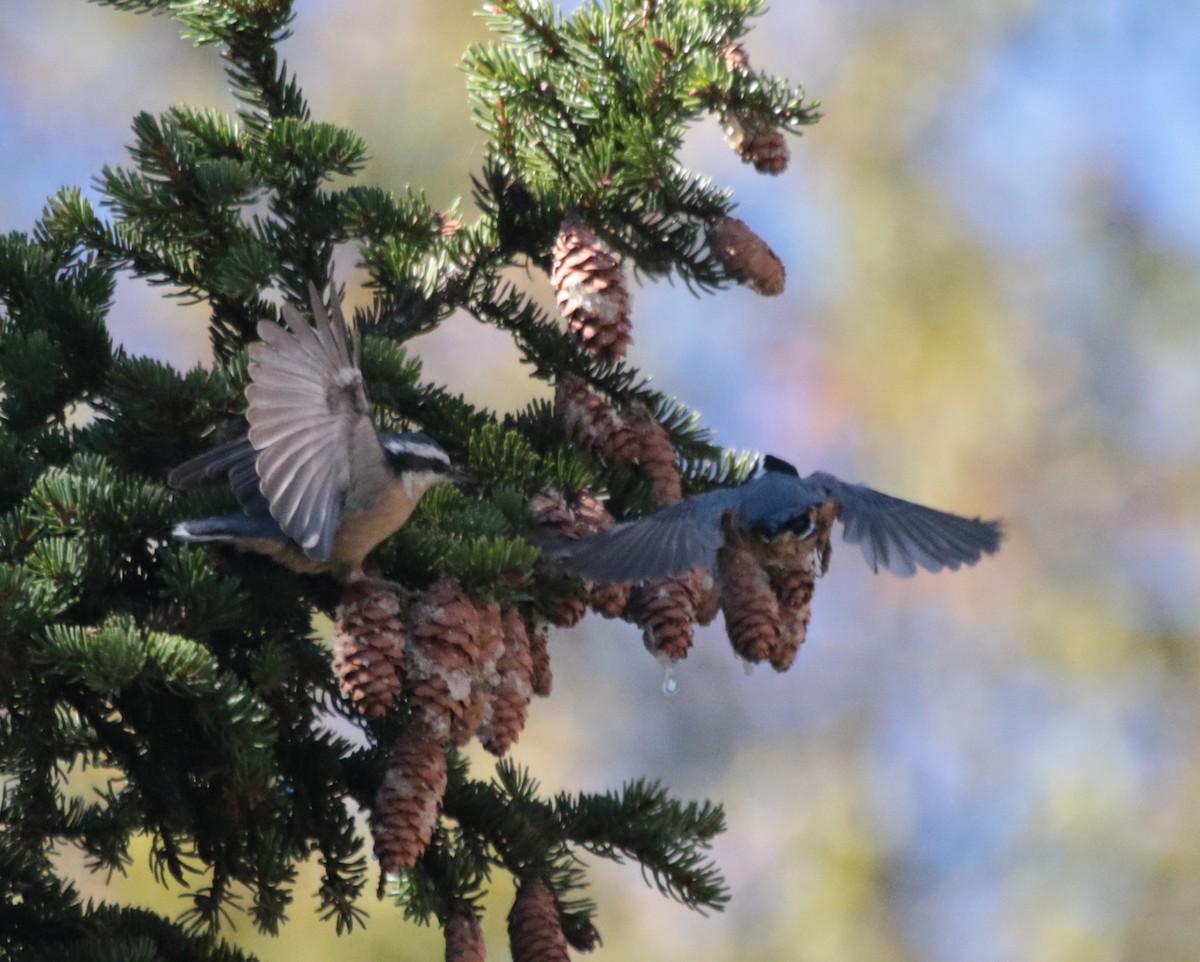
(319, 485)
(782, 517)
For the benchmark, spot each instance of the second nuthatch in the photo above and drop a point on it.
(318, 484)
(781, 513)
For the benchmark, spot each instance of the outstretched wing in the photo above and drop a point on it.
(309, 422)
(668, 542)
(232, 462)
(902, 536)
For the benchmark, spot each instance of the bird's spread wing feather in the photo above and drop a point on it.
(902, 536)
(232, 461)
(668, 542)
(309, 422)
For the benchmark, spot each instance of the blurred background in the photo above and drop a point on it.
(992, 242)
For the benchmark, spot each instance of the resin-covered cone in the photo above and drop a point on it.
(485, 675)
(746, 256)
(751, 609)
(368, 648)
(443, 656)
(535, 932)
(757, 142)
(590, 291)
(593, 424)
(509, 694)
(409, 800)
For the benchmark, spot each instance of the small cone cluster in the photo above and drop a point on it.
(757, 140)
(590, 290)
(464, 935)
(668, 610)
(535, 932)
(746, 256)
(453, 647)
(767, 587)
(586, 515)
(409, 800)
(632, 436)
(368, 649)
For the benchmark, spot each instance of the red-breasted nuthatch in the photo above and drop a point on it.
(783, 512)
(318, 484)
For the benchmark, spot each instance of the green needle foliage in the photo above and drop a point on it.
(194, 678)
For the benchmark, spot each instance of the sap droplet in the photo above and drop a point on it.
(669, 685)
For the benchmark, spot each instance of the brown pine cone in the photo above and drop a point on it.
(485, 675)
(751, 610)
(592, 423)
(535, 932)
(590, 290)
(665, 609)
(509, 695)
(794, 590)
(464, 935)
(707, 595)
(539, 651)
(368, 649)
(757, 142)
(746, 256)
(409, 800)
(549, 509)
(444, 655)
(609, 601)
(591, 515)
(657, 455)
(735, 57)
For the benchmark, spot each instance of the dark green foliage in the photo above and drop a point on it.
(193, 675)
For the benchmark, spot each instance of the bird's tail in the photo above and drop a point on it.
(233, 528)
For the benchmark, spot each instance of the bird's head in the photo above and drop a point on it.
(419, 462)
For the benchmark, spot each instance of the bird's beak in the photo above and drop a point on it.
(458, 476)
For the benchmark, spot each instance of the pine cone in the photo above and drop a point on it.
(592, 423)
(549, 509)
(443, 655)
(746, 256)
(794, 589)
(368, 649)
(665, 609)
(751, 610)
(535, 931)
(509, 695)
(707, 596)
(591, 515)
(590, 290)
(609, 600)
(464, 935)
(409, 800)
(757, 141)
(657, 454)
(539, 651)
(735, 57)
(484, 676)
